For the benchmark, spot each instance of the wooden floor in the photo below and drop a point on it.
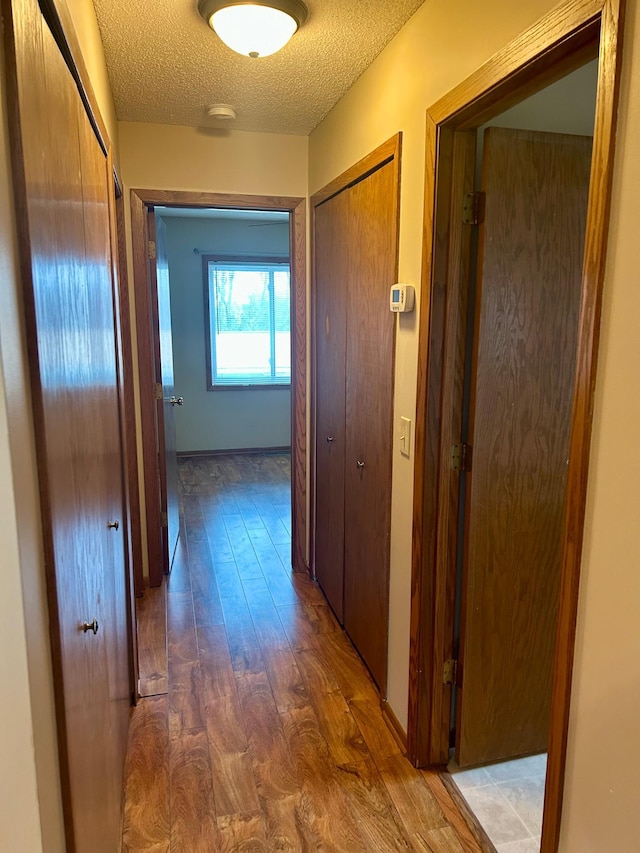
(270, 737)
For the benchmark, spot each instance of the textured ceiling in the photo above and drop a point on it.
(166, 65)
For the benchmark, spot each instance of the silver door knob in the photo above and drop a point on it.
(360, 464)
(176, 401)
(90, 626)
(330, 439)
(113, 525)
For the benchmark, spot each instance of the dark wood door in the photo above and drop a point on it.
(528, 292)
(330, 331)
(165, 419)
(370, 238)
(62, 190)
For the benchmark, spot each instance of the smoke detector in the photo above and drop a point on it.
(223, 112)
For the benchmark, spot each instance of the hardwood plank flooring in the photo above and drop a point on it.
(271, 737)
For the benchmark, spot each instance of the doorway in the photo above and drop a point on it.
(557, 45)
(294, 208)
(532, 170)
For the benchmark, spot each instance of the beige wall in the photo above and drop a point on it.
(164, 156)
(439, 47)
(86, 27)
(602, 790)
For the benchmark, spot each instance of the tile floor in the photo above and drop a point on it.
(507, 799)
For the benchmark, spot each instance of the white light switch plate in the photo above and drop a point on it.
(405, 436)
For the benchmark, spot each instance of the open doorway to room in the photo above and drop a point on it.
(220, 311)
(230, 286)
(505, 395)
(532, 171)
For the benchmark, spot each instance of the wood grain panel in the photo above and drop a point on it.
(415, 803)
(330, 258)
(128, 405)
(334, 820)
(193, 821)
(146, 788)
(458, 259)
(152, 642)
(335, 720)
(62, 188)
(234, 783)
(372, 261)
(527, 303)
(242, 832)
(146, 373)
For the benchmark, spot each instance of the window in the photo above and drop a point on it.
(248, 321)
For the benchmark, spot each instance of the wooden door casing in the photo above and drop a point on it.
(330, 341)
(371, 265)
(165, 418)
(527, 305)
(63, 191)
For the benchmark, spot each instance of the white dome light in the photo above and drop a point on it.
(254, 29)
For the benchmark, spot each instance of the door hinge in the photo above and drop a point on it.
(473, 208)
(450, 673)
(158, 391)
(460, 457)
(151, 250)
(164, 519)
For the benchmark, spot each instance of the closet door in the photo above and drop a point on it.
(63, 189)
(371, 236)
(330, 331)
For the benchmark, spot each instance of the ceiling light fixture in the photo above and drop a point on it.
(256, 28)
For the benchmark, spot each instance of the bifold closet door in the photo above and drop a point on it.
(371, 269)
(330, 331)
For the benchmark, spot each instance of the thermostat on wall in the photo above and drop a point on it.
(402, 297)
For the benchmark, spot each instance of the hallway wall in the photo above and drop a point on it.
(440, 46)
(443, 43)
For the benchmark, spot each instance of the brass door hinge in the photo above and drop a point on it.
(158, 391)
(460, 457)
(450, 673)
(473, 208)
(164, 519)
(151, 250)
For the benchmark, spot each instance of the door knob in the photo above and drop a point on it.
(176, 401)
(360, 464)
(90, 626)
(330, 439)
(113, 525)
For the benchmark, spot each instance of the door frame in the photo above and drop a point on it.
(141, 200)
(570, 35)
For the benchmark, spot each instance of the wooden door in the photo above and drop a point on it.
(330, 330)
(371, 240)
(62, 190)
(163, 355)
(527, 304)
